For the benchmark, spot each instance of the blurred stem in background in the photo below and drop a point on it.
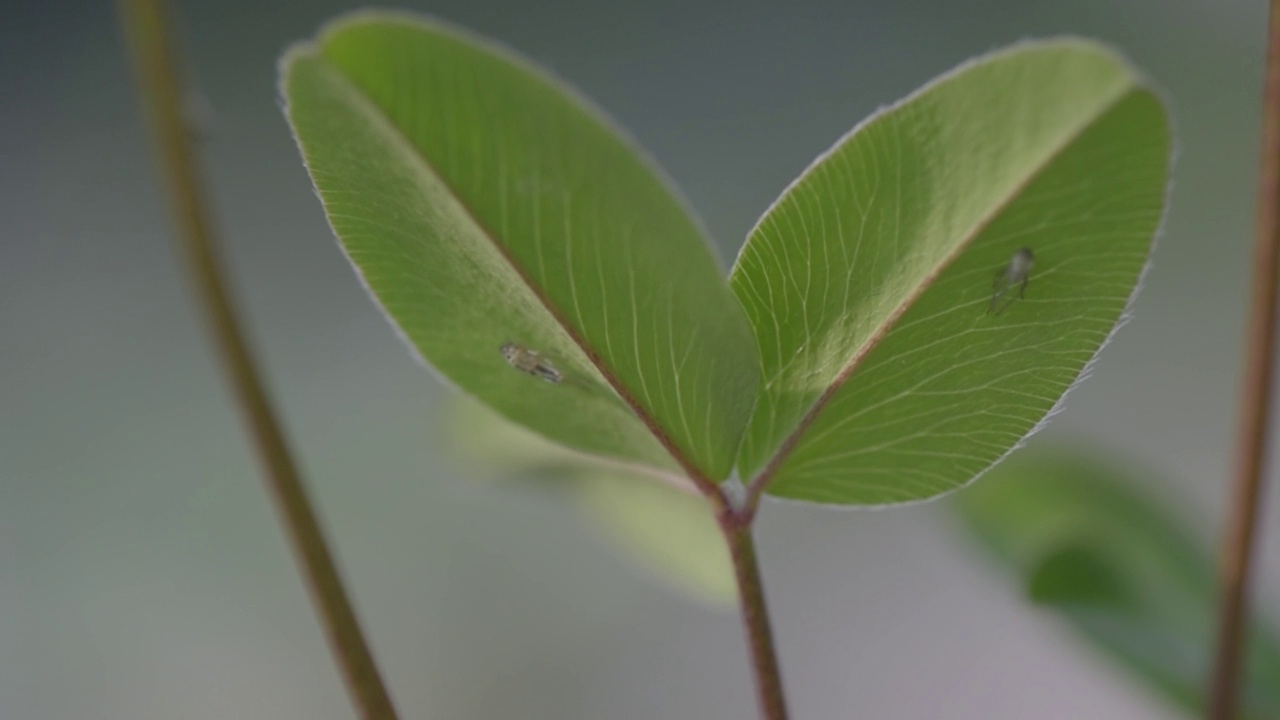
(1255, 408)
(161, 86)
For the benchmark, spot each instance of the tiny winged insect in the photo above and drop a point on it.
(529, 361)
(1015, 274)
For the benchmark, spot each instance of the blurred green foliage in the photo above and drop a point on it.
(1082, 539)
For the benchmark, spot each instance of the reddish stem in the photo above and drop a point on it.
(161, 87)
(1237, 558)
(755, 615)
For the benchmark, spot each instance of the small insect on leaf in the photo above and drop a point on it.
(1016, 273)
(529, 361)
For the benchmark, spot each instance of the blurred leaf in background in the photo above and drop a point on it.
(657, 520)
(1084, 541)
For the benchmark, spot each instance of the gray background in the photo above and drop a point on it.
(141, 571)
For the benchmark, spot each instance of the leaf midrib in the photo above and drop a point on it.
(385, 125)
(766, 475)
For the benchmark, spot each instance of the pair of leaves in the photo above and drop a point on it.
(1087, 544)
(850, 356)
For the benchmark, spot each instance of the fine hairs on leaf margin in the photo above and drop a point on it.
(1139, 79)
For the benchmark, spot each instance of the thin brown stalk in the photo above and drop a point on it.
(1237, 558)
(161, 87)
(755, 616)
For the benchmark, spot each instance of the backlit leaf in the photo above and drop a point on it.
(886, 375)
(484, 203)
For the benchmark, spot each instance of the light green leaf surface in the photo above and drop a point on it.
(1084, 543)
(484, 203)
(669, 533)
(657, 521)
(868, 283)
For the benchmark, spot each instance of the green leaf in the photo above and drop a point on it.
(1087, 545)
(656, 520)
(1077, 575)
(869, 282)
(484, 203)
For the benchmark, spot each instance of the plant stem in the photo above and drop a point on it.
(161, 86)
(755, 615)
(1255, 408)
